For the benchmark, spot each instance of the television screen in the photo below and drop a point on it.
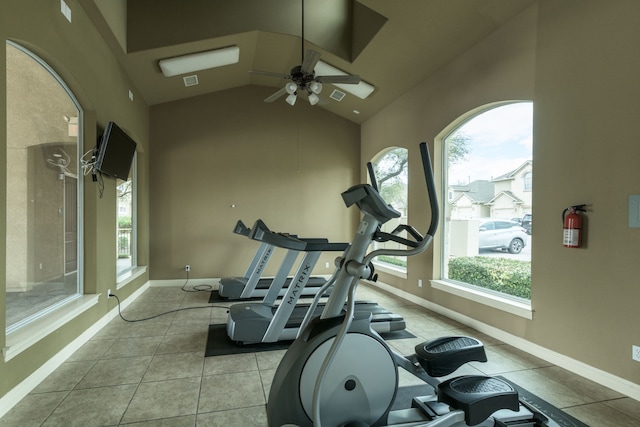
(115, 152)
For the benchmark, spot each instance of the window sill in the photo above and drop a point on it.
(28, 335)
(389, 269)
(496, 301)
(129, 276)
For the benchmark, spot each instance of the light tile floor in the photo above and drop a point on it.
(154, 373)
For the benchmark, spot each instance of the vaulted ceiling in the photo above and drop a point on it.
(392, 45)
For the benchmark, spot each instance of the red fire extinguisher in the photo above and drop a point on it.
(572, 226)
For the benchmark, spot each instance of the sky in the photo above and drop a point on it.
(500, 141)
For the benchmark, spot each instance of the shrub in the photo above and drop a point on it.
(508, 276)
(392, 261)
(124, 222)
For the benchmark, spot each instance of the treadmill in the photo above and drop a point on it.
(257, 322)
(252, 284)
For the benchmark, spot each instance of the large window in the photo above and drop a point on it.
(44, 221)
(126, 227)
(391, 172)
(487, 215)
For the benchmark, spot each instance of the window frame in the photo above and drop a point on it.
(385, 267)
(68, 305)
(504, 302)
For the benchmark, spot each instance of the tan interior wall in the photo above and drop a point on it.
(84, 61)
(230, 156)
(586, 151)
(572, 58)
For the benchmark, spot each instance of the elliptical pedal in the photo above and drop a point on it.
(478, 396)
(442, 356)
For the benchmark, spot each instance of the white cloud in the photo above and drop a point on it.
(500, 141)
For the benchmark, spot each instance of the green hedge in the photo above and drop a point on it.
(393, 261)
(504, 275)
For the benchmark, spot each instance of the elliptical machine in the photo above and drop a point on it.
(339, 372)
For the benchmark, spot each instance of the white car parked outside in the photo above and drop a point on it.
(502, 234)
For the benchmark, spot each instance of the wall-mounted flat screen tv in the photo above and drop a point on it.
(115, 152)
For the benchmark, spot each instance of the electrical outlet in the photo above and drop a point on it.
(419, 283)
(635, 352)
(108, 293)
(326, 265)
(187, 267)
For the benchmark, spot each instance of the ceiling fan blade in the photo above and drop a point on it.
(348, 79)
(309, 61)
(275, 95)
(323, 99)
(270, 74)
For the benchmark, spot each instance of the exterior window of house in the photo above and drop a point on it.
(126, 227)
(391, 172)
(487, 221)
(528, 177)
(44, 219)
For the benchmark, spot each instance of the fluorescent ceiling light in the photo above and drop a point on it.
(199, 61)
(361, 90)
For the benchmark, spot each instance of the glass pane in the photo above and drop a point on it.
(487, 242)
(42, 189)
(391, 171)
(125, 238)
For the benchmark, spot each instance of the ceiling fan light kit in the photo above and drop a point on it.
(313, 99)
(199, 61)
(305, 77)
(291, 99)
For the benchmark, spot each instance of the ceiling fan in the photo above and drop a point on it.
(303, 77)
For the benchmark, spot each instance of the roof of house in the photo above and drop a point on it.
(508, 194)
(512, 174)
(480, 190)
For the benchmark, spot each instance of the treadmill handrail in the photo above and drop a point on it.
(241, 229)
(326, 247)
(261, 233)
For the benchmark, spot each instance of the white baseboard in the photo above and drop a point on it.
(577, 367)
(17, 393)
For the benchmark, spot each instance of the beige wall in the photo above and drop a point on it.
(81, 57)
(285, 165)
(586, 111)
(575, 60)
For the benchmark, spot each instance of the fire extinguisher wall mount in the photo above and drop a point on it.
(572, 223)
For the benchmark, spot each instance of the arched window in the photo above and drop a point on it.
(488, 169)
(391, 169)
(44, 232)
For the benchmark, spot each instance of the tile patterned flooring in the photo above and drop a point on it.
(154, 373)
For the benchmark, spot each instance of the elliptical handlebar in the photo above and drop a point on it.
(425, 240)
(376, 212)
(372, 176)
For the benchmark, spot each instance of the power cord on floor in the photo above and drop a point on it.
(167, 312)
(196, 288)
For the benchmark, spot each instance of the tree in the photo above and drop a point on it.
(391, 176)
(458, 149)
(391, 165)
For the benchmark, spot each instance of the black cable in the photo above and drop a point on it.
(162, 314)
(196, 288)
(100, 184)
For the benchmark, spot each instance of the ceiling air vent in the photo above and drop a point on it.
(337, 95)
(190, 80)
